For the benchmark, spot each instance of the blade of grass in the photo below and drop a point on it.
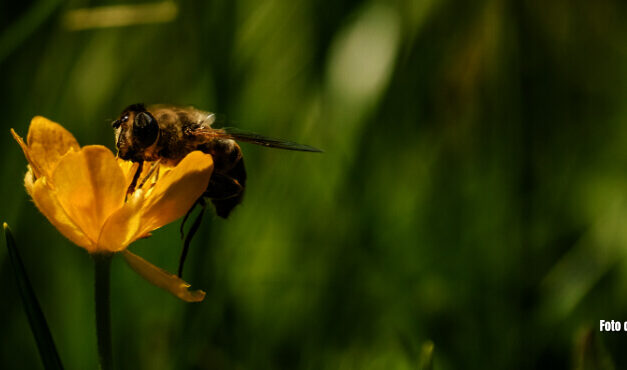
(36, 319)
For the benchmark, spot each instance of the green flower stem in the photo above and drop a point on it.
(102, 262)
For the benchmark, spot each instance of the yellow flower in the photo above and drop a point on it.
(83, 193)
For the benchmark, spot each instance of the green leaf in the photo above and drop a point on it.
(38, 324)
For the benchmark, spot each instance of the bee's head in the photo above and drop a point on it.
(136, 130)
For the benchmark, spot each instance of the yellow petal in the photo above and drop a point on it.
(46, 201)
(150, 175)
(37, 172)
(177, 190)
(90, 186)
(163, 279)
(128, 169)
(123, 226)
(29, 181)
(47, 143)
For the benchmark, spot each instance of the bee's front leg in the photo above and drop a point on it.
(131, 187)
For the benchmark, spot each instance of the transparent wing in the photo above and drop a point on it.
(251, 137)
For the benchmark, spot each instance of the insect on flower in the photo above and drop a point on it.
(167, 133)
(84, 193)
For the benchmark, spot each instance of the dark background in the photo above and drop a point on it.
(472, 193)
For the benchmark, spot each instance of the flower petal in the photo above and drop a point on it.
(47, 143)
(162, 279)
(46, 201)
(37, 172)
(177, 190)
(90, 186)
(29, 181)
(128, 169)
(123, 226)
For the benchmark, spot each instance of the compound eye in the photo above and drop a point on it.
(145, 129)
(118, 122)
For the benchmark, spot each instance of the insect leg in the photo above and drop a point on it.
(190, 235)
(131, 187)
(182, 229)
(154, 167)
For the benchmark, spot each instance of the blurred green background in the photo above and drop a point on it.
(472, 192)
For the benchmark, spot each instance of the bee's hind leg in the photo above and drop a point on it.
(189, 212)
(192, 231)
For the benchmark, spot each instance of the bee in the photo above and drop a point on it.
(167, 133)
